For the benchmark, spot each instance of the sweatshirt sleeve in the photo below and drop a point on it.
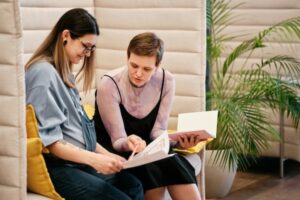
(42, 93)
(48, 113)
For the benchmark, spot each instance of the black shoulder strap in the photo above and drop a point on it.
(162, 85)
(116, 85)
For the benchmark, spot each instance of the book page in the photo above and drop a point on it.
(197, 121)
(158, 149)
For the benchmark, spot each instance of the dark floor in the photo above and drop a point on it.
(262, 182)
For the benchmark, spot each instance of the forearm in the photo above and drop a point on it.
(109, 109)
(100, 149)
(121, 145)
(69, 152)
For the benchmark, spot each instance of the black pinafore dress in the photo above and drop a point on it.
(169, 171)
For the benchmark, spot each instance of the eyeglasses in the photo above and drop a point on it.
(87, 49)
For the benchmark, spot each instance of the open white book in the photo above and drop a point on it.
(158, 149)
(201, 124)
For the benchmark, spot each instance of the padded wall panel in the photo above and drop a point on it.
(43, 18)
(255, 16)
(148, 4)
(7, 191)
(261, 17)
(8, 15)
(12, 100)
(290, 149)
(165, 16)
(181, 24)
(182, 85)
(8, 115)
(10, 135)
(186, 41)
(269, 4)
(11, 86)
(108, 59)
(12, 164)
(270, 50)
(39, 16)
(57, 3)
(34, 38)
(185, 104)
(6, 57)
(183, 63)
(247, 31)
(240, 62)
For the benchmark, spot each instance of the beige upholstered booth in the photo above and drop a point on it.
(24, 24)
(12, 118)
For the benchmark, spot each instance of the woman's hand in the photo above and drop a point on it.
(116, 156)
(136, 143)
(188, 141)
(107, 164)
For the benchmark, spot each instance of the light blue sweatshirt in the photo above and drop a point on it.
(55, 105)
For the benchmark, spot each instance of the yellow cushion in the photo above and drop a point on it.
(31, 123)
(38, 179)
(89, 109)
(195, 149)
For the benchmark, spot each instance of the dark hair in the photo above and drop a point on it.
(79, 22)
(146, 44)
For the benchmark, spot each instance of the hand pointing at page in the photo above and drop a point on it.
(135, 143)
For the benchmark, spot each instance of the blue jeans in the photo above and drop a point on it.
(84, 183)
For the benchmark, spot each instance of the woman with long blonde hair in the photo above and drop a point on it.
(79, 167)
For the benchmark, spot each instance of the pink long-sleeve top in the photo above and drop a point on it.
(139, 102)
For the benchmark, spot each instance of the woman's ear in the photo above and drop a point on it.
(65, 35)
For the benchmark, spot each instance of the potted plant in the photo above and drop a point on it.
(241, 93)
